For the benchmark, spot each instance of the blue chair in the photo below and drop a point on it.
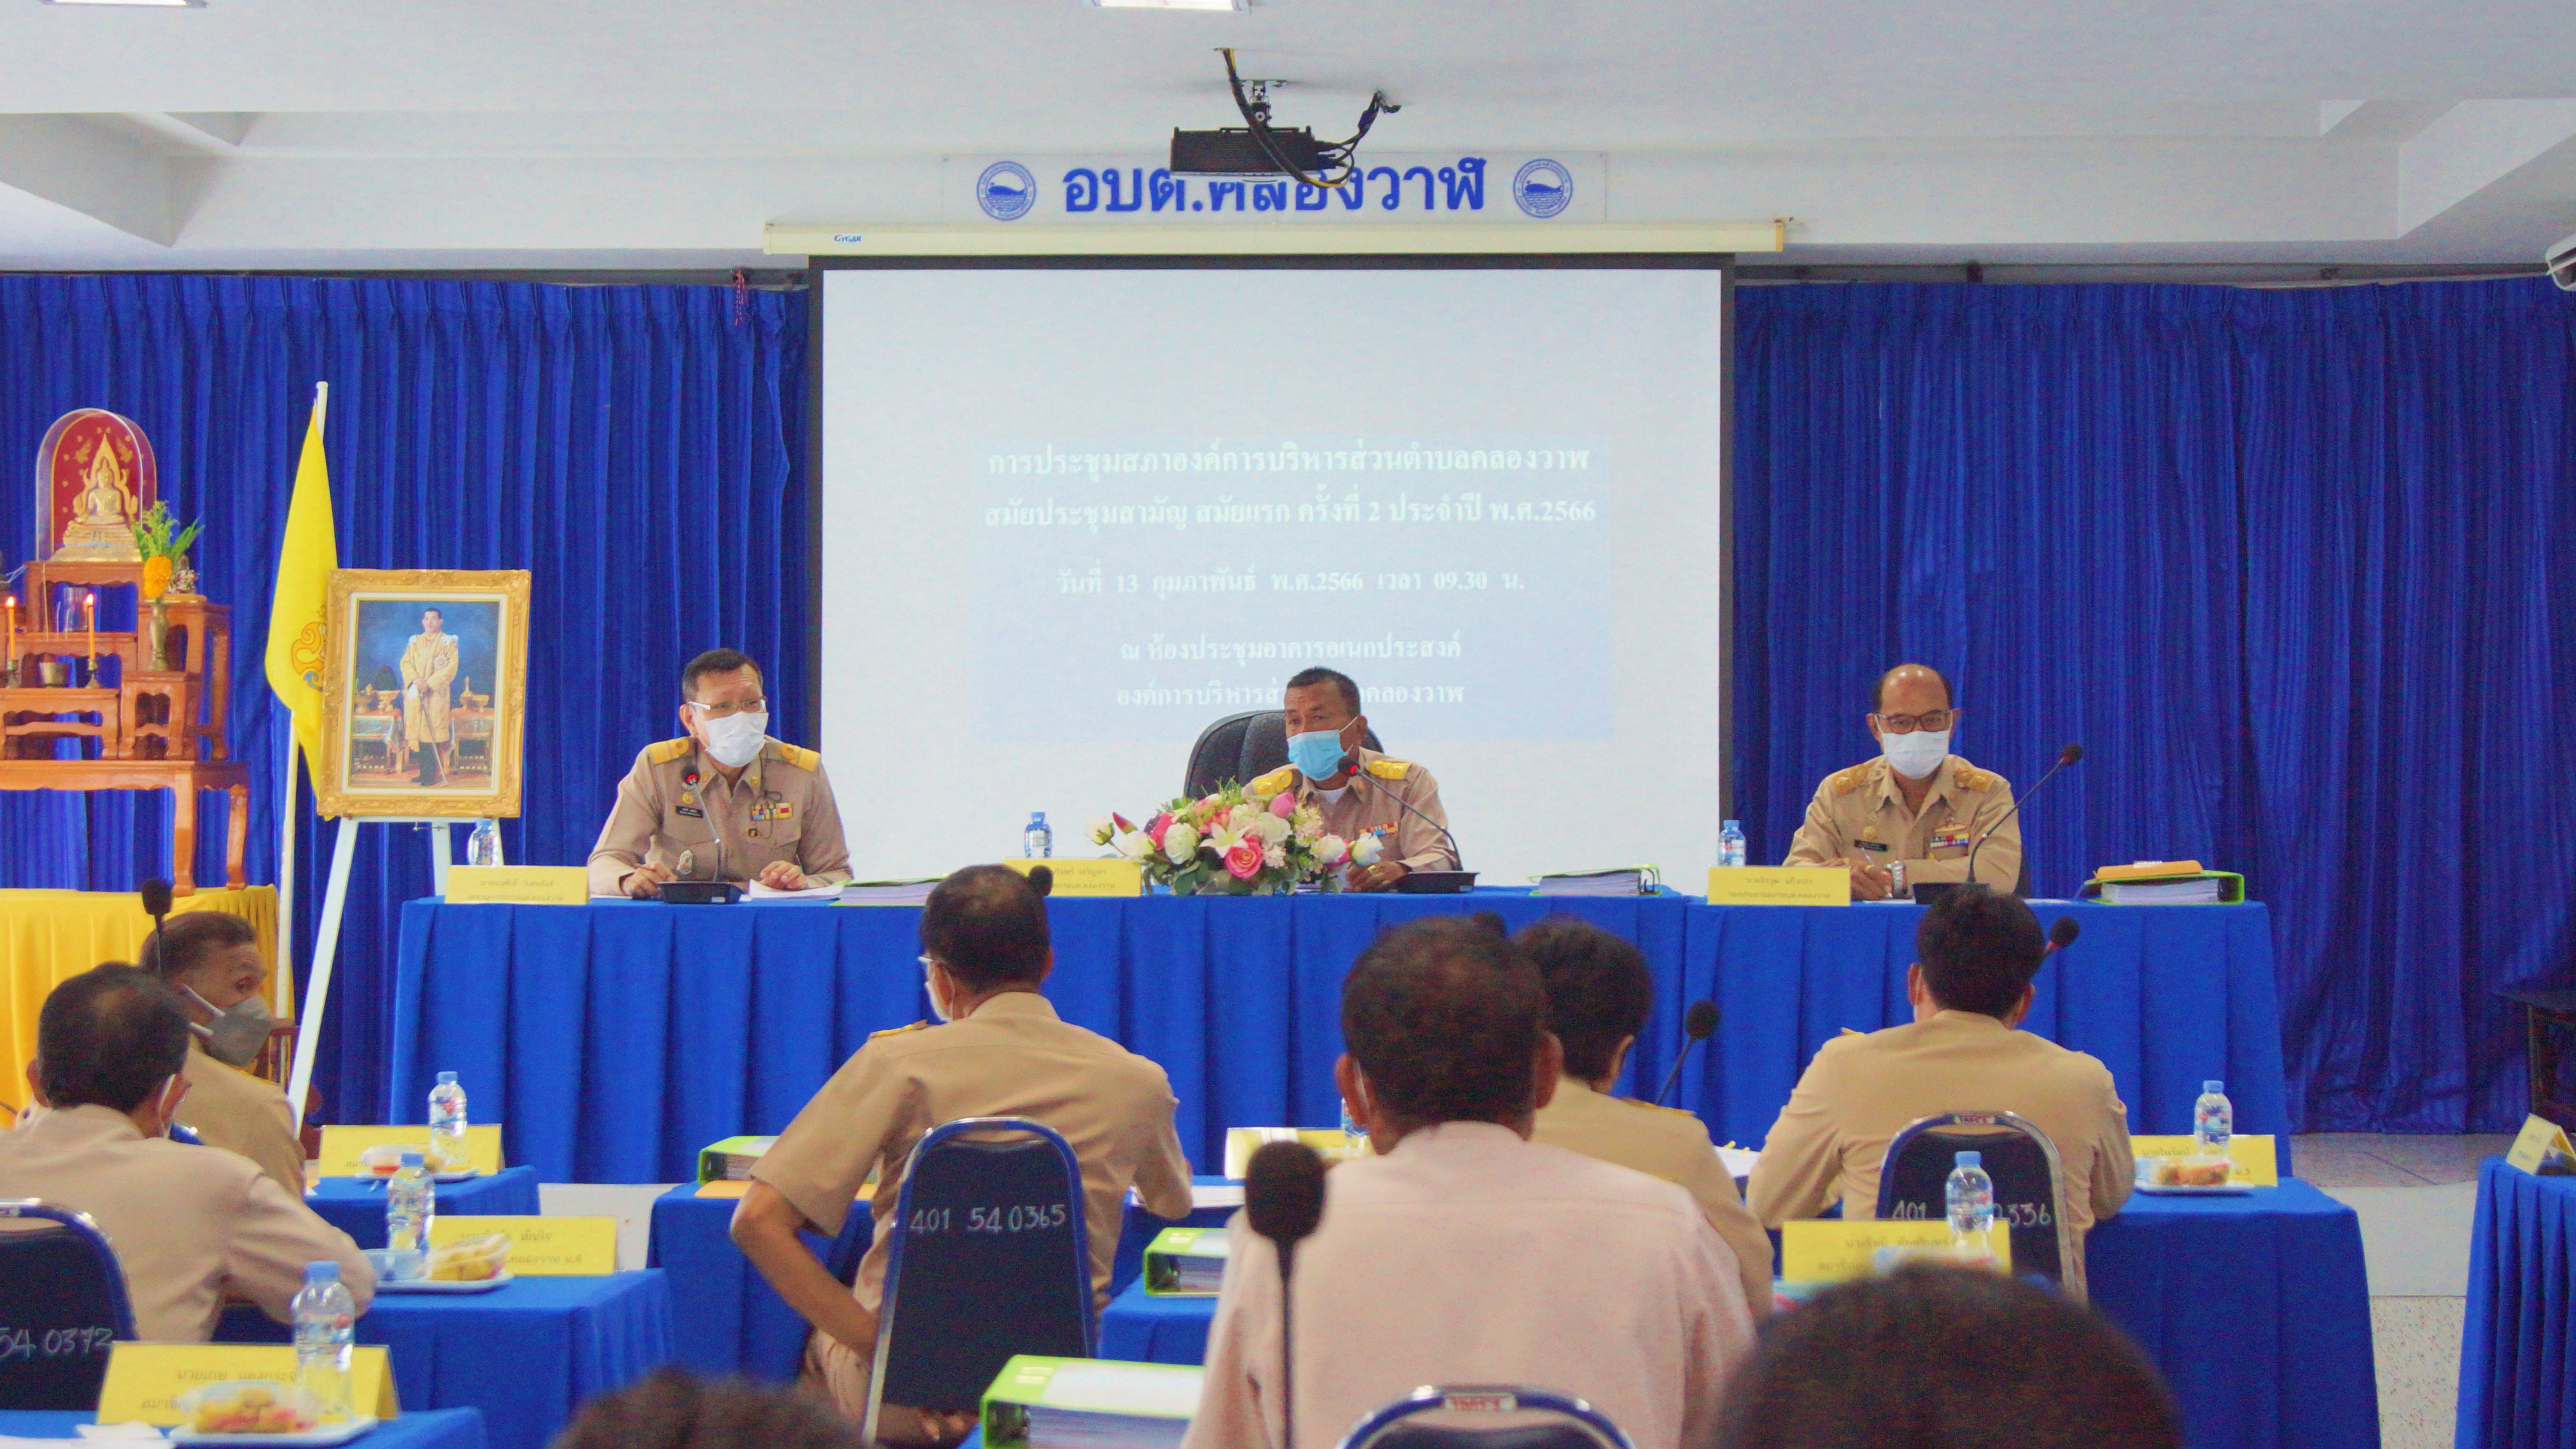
(1577, 1425)
(62, 1297)
(1243, 748)
(1914, 1178)
(989, 1258)
(181, 1132)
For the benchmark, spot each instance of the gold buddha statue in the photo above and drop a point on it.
(102, 525)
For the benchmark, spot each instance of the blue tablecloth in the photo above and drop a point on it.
(528, 1354)
(433, 1429)
(2518, 1350)
(733, 1323)
(356, 1205)
(619, 1038)
(2256, 1308)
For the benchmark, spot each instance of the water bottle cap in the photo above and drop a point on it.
(1734, 825)
(447, 1079)
(1972, 1159)
(412, 1159)
(2213, 1085)
(321, 1272)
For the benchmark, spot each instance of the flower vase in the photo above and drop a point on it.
(156, 637)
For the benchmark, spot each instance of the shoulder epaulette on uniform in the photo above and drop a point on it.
(1389, 769)
(797, 755)
(899, 1030)
(1972, 778)
(668, 750)
(1643, 1105)
(1277, 782)
(1846, 781)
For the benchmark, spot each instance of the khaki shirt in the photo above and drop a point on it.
(241, 1113)
(1013, 1057)
(1365, 805)
(190, 1225)
(1670, 1144)
(1859, 814)
(1861, 1091)
(672, 805)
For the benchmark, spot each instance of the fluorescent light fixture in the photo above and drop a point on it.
(162, 4)
(1095, 4)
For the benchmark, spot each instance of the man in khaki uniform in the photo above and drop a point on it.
(1962, 1053)
(212, 962)
(428, 668)
(191, 1225)
(1358, 790)
(1918, 808)
(1002, 1052)
(723, 802)
(1598, 995)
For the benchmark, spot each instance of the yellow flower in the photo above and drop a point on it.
(156, 575)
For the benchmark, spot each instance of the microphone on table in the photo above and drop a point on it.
(1283, 1200)
(2065, 757)
(1042, 879)
(156, 904)
(2061, 936)
(1698, 1025)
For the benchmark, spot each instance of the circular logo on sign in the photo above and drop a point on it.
(1006, 191)
(1543, 188)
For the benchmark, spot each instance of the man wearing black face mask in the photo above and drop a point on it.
(211, 961)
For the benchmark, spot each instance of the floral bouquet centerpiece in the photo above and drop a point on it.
(1237, 841)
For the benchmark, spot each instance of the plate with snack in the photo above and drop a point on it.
(261, 1411)
(468, 1265)
(384, 1159)
(2203, 1176)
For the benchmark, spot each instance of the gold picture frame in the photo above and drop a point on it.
(423, 717)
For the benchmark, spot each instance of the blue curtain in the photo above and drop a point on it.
(640, 449)
(2298, 568)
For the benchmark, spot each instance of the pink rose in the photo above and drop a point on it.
(1283, 804)
(1158, 827)
(1244, 861)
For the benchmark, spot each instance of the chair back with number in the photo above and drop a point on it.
(1529, 1419)
(1914, 1181)
(63, 1303)
(989, 1258)
(1243, 747)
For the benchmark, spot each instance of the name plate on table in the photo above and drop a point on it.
(2542, 1149)
(2251, 1161)
(145, 1380)
(1779, 885)
(341, 1146)
(1328, 1142)
(1824, 1250)
(1089, 877)
(540, 1247)
(519, 885)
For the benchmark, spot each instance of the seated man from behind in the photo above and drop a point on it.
(212, 961)
(191, 1225)
(1001, 1052)
(1962, 1053)
(1941, 1358)
(1464, 1253)
(1598, 994)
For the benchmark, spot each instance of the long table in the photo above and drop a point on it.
(618, 1038)
(431, 1429)
(2518, 1351)
(2255, 1307)
(356, 1205)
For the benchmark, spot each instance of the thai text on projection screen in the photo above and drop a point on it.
(1072, 516)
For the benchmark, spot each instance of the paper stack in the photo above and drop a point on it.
(731, 1159)
(1185, 1263)
(2200, 891)
(1632, 880)
(1074, 1403)
(887, 892)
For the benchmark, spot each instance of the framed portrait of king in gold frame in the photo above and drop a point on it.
(424, 693)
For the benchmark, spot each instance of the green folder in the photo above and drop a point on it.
(2231, 888)
(731, 1159)
(1059, 1403)
(1185, 1263)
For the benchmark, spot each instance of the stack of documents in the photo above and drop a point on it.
(1076, 1403)
(1633, 880)
(887, 892)
(825, 893)
(731, 1159)
(2203, 891)
(1185, 1263)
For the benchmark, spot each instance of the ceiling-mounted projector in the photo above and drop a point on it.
(1257, 148)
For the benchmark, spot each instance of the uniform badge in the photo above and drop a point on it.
(1944, 838)
(1879, 845)
(688, 862)
(690, 779)
(689, 805)
(753, 832)
(692, 811)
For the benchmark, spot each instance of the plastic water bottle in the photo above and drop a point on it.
(447, 1151)
(483, 847)
(410, 1202)
(2213, 1119)
(1038, 840)
(1971, 1197)
(326, 1323)
(1355, 1139)
(1730, 844)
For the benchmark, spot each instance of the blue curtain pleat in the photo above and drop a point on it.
(2298, 568)
(640, 449)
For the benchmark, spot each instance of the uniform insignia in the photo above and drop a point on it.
(898, 1030)
(783, 811)
(692, 811)
(1277, 781)
(690, 779)
(797, 755)
(688, 862)
(668, 750)
(753, 832)
(1388, 769)
(1972, 778)
(1848, 780)
(1870, 833)
(1871, 844)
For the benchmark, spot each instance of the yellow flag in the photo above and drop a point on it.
(305, 558)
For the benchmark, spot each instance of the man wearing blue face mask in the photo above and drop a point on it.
(724, 801)
(1913, 814)
(1362, 794)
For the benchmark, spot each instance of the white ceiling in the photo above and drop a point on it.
(574, 133)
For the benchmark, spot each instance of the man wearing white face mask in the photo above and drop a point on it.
(724, 801)
(1917, 811)
(212, 961)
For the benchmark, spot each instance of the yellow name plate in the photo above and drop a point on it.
(341, 1146)
(1823, 1250)
(145, 1380)
(1779, 885)
(2251, 1161)
(519, 885)
(1328, 1143)
(1090, 877)
(2540, 1138)
(541, 1247)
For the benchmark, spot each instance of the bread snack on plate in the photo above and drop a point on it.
(2184, 1171)
(470, 1260)
(252, 1406)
